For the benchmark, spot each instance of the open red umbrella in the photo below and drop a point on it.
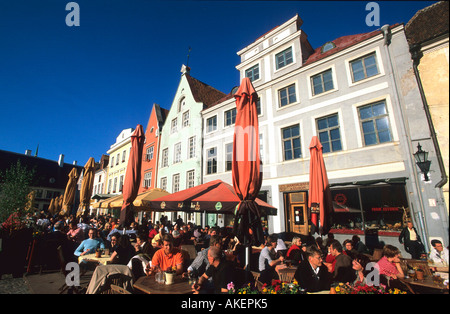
(215, 197)
(132, 176)
(319, 201)
(246, 165)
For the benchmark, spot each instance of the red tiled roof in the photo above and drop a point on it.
(203, 92)
(341, 43)
(428, 23)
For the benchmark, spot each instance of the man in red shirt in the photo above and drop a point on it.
(168, 257)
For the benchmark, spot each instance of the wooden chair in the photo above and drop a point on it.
(377, 255)
(256, 277)
(117, 280)
(190, 249)
(286, 275)
(64, 272)
(118, 290)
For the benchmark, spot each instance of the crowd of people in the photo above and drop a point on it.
(148, 248)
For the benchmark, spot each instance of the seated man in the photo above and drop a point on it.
(343, 268)
(268, 261)
(438, 254)
(221, 271)
(90, 245)
(168, 257)
(312, 275)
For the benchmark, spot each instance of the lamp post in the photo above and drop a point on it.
(422, 161)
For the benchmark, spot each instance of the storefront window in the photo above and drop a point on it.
(346, 208)
(382, 208)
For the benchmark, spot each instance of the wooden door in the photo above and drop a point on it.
(298, 213)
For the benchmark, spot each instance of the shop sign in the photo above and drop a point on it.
(385, 209)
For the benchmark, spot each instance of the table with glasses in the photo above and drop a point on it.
(103, 259)
(149, 285)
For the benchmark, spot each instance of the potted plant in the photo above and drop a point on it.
(170, 274)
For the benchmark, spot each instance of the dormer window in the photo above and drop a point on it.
(328, 46)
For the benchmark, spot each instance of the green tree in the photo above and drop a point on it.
(14, 189)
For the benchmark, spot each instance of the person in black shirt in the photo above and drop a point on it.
(312, 275)
(221, 271)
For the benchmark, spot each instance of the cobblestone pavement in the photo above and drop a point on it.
(10, 285)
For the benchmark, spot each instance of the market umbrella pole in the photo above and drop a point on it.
(132, 177)
(246, 168)
(319, 200)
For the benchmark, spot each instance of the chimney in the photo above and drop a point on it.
(185, 69)
(61, 160)
(75, 163)
(28, 152)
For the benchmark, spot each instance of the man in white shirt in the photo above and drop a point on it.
(438, 254)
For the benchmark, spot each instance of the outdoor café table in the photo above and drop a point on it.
(148, 284)
(104, 259)
(439, 267)
(426, 282)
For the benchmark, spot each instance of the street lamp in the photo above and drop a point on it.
(422, 161)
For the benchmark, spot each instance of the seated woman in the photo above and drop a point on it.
(389, 265)
(123, 252)
(296, 252)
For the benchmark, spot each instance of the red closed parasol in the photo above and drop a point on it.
(246, 166)
(319, 188)
(132, 177)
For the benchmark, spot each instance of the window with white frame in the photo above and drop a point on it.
(115, 185)
(124, 155)
(211, 124)
(117, 159)
(291, 142)
(112, 162)
(147, 179)
(181, 103)
(186, 118)
(284, 58)
(121, 183)
(322, 82)
(253, 73)
(173, 126)
(175, 183)
(177, 153)
(228, 157)
(163, 184)
(191, 146)
(230, 117)
(375, 126)
(364, 67)
(165, 158)
(329, 133)
(109, 186)
(190, 179)
(287, 96)
(211, 161)
(149, 153)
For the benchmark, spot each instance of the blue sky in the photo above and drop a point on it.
(72, 90)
